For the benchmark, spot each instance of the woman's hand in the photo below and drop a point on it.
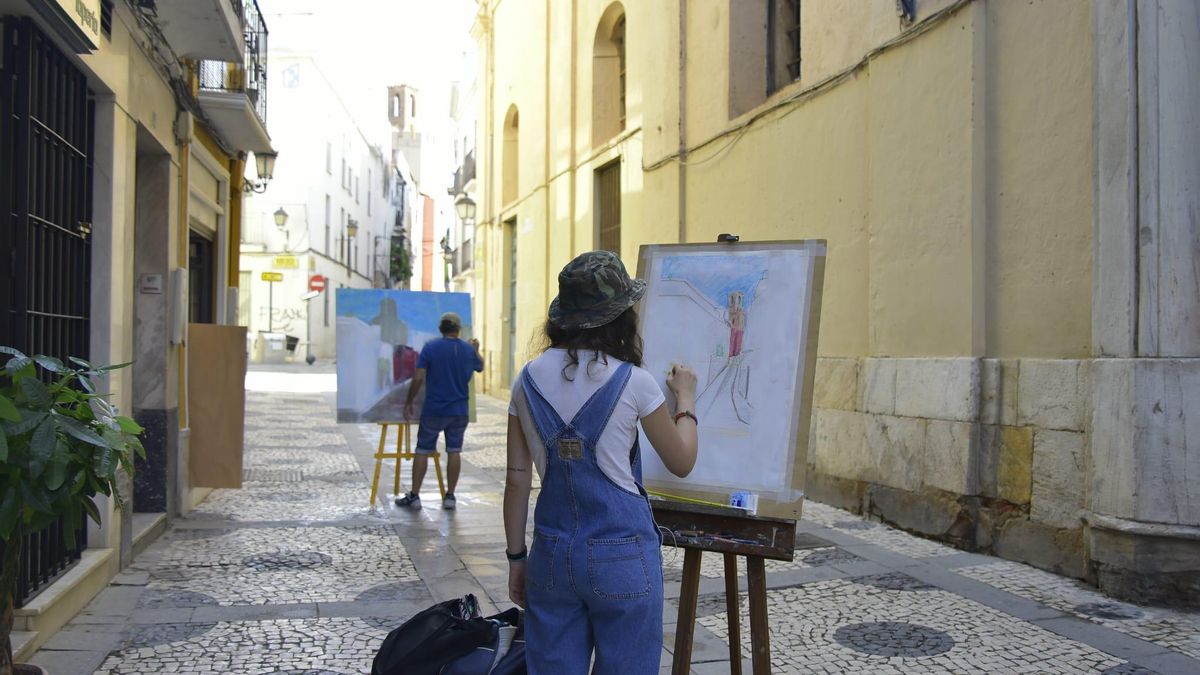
(682, 382)
(516, 582)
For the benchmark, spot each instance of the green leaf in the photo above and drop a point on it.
(36, 392)
(9, 510)
(10, 351)
(42, 446)
(80, 431)
(129, 426)
(3, 447)
(115, 366)
(18, 363)
(35, 499)
(26, 424)
(50, 363)
(8, 410)
(80, 362)
(92, 511)
(87, 384)
(106, 461)
(56, 475)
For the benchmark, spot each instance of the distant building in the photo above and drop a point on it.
(339, 194)
(460, 238)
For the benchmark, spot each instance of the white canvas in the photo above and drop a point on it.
(739, 319)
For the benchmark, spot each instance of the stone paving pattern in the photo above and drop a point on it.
(296, 573)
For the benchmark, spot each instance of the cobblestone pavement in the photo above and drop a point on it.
(297, 573)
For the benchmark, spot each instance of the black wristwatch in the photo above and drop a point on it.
(517, 557)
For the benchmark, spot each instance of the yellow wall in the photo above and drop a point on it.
(950, 173)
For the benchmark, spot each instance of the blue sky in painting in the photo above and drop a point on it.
(716, 275)
(420, 310)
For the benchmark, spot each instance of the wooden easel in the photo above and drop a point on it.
(403, 451)
(697, 528)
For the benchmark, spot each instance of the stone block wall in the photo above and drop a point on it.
(987, 454)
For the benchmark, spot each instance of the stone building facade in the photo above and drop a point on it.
(1010, 333)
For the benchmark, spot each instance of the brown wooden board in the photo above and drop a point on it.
(724, 530)
(216, 404)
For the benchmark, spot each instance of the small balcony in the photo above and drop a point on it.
(203, 29)
(463, 259)
(464, 174)
(233, 94)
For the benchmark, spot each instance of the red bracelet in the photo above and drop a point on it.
(686, 413)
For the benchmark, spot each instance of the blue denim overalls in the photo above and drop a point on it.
(595, 568)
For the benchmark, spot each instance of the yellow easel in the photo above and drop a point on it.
(403, 451)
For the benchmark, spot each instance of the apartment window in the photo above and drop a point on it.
(344, 174)
(106, 12)
(329, 158)
(327, 293)
(370, 180)
(342, 256)
(328, 223)
(356, 191)
(760, 67)
(510, 175)
(783, 44)
(608, 76)
(608, 207)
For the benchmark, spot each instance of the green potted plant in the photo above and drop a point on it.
(61, 444)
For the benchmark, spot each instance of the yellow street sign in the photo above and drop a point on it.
(272, 276)
(286, 262)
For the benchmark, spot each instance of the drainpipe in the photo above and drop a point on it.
(683, 150)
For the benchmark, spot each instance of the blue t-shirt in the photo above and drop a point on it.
(449, 364)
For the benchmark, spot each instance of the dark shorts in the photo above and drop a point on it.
(430, 427)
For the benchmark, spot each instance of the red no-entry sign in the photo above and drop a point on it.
(316, 283)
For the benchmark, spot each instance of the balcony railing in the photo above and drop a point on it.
(464, 174)
(463, 259)
(249, 77)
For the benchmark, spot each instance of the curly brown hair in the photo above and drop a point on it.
(618, 338)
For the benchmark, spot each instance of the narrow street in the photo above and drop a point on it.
(296, 574)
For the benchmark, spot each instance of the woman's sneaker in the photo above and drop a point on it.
(449, 503)
(411, 500)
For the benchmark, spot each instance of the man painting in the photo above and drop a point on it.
(448, 364)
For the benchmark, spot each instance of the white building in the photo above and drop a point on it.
(337, 190)
(464, 113)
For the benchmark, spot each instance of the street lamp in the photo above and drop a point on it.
(352, 228)
(264, 163)
(281, 218)
(464, 206)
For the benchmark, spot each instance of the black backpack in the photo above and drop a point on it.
(438, 636)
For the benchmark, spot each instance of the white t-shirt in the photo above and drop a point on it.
(641, 397)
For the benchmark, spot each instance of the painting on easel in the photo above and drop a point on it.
(744, 316)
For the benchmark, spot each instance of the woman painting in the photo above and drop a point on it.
(592, 580)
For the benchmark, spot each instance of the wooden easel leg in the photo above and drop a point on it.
(760, 638)
(437, 469)
(685, 624)
(396, 481)
(378, 462)
(733, 614)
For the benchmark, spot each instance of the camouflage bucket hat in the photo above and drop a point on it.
(594, 289)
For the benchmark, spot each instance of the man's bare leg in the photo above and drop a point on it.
(420, 464)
